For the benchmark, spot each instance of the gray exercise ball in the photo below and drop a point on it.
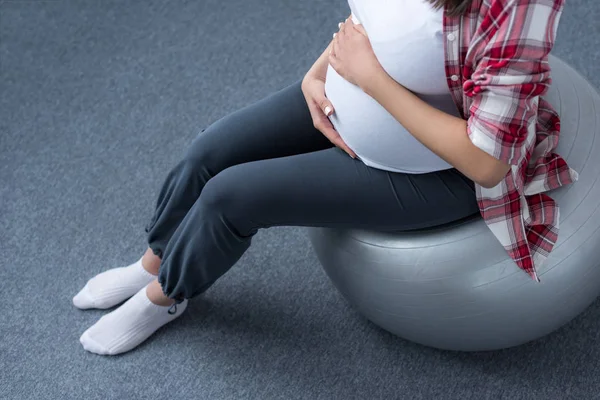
(454, 287)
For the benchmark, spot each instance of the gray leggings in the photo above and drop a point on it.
(266, 165)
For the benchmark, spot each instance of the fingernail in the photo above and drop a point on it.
(327, 110)
(339, 25)
(334, 34)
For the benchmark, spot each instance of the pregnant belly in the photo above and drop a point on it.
(373, 133)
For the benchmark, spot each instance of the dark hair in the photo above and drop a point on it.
(455, 7)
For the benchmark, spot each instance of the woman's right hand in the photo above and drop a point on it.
(320, 108)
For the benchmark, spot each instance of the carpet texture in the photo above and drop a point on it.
(98, 100)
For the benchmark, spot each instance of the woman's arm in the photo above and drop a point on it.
(447, 136)
(510, 74)
(442, 133)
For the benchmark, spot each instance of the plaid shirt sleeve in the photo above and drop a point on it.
(509, 119)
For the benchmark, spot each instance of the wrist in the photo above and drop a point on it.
(318, 73)
(374, 81)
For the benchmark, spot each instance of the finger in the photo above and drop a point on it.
(324, 125)
(335, 48)
(342, 145)
(345, 147)
(320, 120)
(337, 140)
(343, 31)
(312, 107)
(333, 61)
(314, 112)
(348, 24)
(322, 104)
(326, 106)
(328, 132)
(333, 44)
(361, 29)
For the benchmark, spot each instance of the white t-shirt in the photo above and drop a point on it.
(406, 36)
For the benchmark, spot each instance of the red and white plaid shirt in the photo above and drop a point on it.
(498, 72)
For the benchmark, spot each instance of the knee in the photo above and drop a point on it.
(224, 194)
(201, 156)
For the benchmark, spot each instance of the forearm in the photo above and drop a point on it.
(442, 133)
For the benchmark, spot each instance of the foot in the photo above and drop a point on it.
(129, 325)
(112, 287)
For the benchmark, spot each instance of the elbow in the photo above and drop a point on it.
(494, 175)
(489, 182)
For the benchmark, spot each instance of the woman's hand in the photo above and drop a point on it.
(352, 55)
(320, 108)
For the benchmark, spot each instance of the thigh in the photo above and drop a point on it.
(278, 125)
(328, 188)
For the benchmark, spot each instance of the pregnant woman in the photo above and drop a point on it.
(418, 113)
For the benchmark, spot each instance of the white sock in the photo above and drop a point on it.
(112, 287)
(129, 325)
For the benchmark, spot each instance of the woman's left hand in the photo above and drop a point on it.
(352, 56)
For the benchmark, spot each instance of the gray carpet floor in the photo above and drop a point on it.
(98, 100)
